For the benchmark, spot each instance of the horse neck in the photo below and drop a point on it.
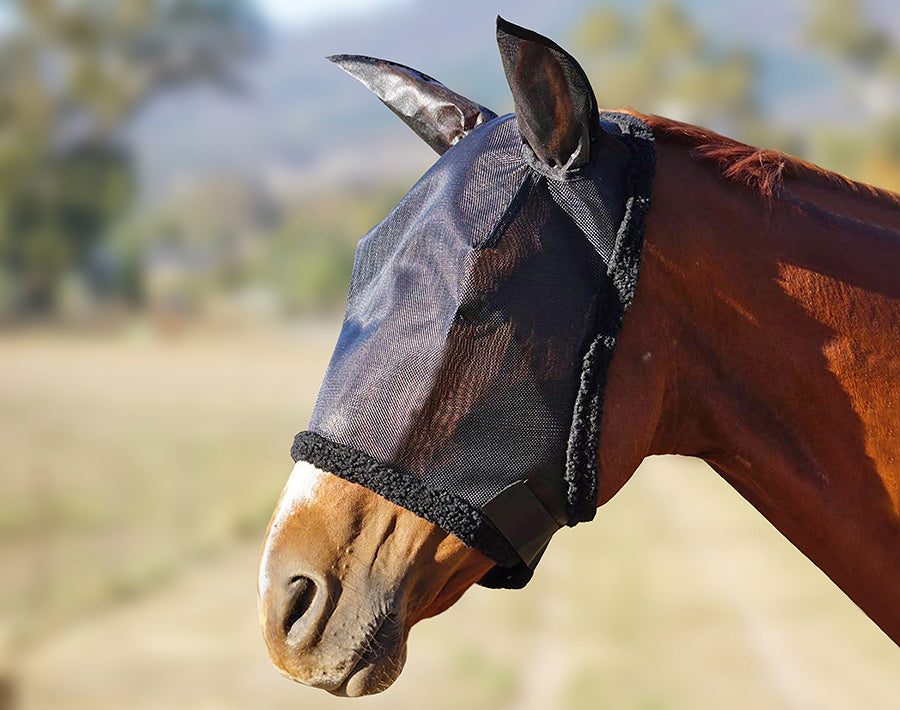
(774, 328)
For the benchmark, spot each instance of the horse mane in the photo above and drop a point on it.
(761, 169)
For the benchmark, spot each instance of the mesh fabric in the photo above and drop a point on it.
(466, 384)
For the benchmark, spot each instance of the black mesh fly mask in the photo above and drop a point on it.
(467, 381)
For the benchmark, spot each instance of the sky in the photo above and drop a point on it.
(304, 13)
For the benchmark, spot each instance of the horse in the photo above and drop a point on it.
(763, 337)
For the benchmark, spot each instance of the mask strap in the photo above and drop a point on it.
(522, 519)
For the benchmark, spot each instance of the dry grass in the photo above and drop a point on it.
(124, 458)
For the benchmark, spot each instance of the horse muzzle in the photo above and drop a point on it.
(321, 633)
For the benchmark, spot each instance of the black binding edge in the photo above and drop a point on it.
(444, 509)
(584, 437)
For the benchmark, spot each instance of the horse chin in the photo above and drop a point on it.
(374, 672)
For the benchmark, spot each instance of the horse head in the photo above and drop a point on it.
(457, 425)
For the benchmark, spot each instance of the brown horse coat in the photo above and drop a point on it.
(767, 322)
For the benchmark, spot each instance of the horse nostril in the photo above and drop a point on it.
(302, 592)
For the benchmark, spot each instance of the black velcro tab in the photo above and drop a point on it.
(522, 519)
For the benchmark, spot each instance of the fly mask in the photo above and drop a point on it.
(467, 382)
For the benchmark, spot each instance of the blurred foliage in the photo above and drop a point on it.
(866, 60)
(840, 27)
(71, 74)
(226, 243)
(312, 255)
(209, 237)
(659, 59)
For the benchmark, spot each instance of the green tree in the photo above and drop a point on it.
(72, 73)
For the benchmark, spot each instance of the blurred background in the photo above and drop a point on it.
(182, 186)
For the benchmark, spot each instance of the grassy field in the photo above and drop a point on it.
(125, 457)
(138, 476)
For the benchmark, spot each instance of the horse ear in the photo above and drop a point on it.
(440, 116)
(555, 106)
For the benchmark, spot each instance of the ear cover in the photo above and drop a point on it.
(555, 105)
(439, 116)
